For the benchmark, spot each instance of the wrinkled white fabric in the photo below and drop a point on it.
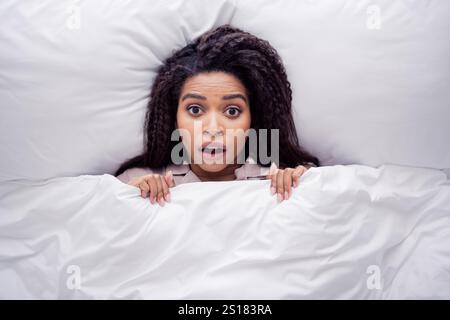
(343, 226)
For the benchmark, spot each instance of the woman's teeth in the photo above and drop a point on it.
(212, 151)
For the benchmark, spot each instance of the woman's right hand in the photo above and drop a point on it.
(155, 186)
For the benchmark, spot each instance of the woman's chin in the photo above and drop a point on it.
(213, 163)
(212, 167)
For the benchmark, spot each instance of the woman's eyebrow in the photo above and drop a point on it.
(194, 96)
(233, 96)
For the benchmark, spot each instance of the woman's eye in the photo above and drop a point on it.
(233, 112)
(194, 110)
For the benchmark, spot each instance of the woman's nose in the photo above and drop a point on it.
(213, 126)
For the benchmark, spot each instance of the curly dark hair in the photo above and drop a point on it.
(254, 62)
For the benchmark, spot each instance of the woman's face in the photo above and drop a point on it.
(213, 109)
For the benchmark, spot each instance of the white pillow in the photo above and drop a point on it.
(75, 78)
(370, 78)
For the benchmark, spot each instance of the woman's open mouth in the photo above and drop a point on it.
(213, 150)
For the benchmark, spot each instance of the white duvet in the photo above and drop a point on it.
(347, 232)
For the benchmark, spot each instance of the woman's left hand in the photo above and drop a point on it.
(282, 180)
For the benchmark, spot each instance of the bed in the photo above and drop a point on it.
(348, 232)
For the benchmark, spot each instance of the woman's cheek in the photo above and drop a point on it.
(187, 139)
(236, 147)
(241, 143)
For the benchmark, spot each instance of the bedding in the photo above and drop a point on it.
(363, 70)
(348, 232)
(75, 77)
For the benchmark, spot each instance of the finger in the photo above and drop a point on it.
(160, 195)
(287, 181)
(273, 177)
(273, 183)
(153, 188)
(273, 168)
(145, 188)
(280, 186)
(166, 192)
(298, 172)
(169, 179)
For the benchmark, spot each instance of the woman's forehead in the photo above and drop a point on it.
(213, 83)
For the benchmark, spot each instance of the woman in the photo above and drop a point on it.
(215, 92)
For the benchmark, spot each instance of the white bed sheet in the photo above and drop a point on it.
(347, 232)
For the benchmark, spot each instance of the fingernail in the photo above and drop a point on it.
(152, 200)
(272, 190)
(273, 168)
(280, 197)
(286, 195)
(295, 184)
(168, 197)
(161, 202)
